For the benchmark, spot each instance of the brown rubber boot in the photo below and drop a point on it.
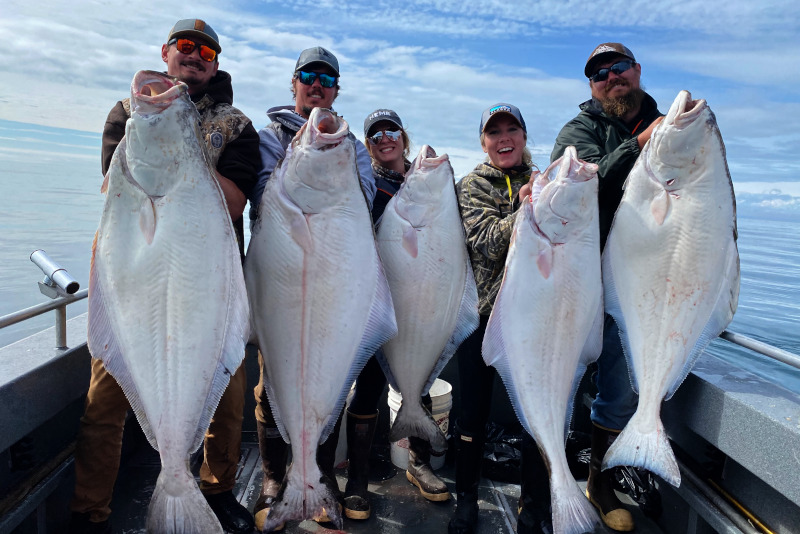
(274, 454)
(360, 431)
(600, 486)
(419, 471)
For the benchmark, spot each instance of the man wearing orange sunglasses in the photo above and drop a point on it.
(192, 56)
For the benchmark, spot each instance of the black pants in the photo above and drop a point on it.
(475, 383)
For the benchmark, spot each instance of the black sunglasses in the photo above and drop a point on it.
(617, 68)
(307, 78)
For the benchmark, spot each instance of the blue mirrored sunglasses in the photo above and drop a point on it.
(617, 68)
(393, 135)
(307, 78)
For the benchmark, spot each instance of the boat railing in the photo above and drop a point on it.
(63, 290)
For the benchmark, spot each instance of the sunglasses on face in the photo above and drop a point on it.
(377, 136)
(187, 46)
(307, 78)
(617, 68)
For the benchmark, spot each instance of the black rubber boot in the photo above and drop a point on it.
(360, 431)
(600, 486)
(535, 515)
(469, 453)
(326, 457)
(274, 455)
(234, 518)
(419, 471)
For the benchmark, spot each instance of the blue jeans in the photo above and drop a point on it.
(615, 401)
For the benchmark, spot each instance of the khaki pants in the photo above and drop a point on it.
(99, 445)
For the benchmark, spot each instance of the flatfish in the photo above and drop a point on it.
(168, 318)
(422, 246)
(547, 321)
(321, 305)
(670, 271)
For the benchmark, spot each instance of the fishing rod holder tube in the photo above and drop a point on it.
(57, 281)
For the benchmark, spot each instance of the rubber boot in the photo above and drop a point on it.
(360, 431)
(535, 514)
(274, 455)
(469, 453)
(326, 457)
(600, 486)
(419, 471)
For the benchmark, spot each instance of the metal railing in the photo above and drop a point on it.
(58, 304)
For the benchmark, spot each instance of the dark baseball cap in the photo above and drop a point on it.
(195, 28)
(381, 115)
(317, 54)
(502, 108)
(604, 52)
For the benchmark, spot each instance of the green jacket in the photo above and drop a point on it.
(488, 210)
(609, 143)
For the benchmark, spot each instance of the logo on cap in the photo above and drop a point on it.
(499, 108)
(604, 48)
(380, 114)
(199, 25)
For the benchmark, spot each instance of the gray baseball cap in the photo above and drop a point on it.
(195, 28)
(604, 52)
(502, 108)
(381, 115)
(317, 54)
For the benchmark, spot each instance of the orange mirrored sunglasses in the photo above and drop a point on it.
(187, 46)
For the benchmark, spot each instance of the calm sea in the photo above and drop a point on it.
(50, 197)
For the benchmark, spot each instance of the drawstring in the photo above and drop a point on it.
(510, 192)
(637, 126)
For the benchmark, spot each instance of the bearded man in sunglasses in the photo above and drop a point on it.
(191, 54)
(611, 130)
(315, 84)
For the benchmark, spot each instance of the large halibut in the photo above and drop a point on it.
(422, 246)
(320, 302)
(168, 313)
(547, 321)
(670, 271)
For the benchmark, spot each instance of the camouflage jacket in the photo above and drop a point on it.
(230, 137)
(488, 210)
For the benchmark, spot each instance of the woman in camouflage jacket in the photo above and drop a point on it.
(489, 198)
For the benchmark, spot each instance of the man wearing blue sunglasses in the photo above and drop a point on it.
(611, 130)
(315, 84)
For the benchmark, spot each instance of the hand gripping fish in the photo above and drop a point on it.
(422, 246)
(320, 302)
(168, 313)
(547, 321)
(671, 271)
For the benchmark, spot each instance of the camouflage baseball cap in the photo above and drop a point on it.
(195, 28)
(604, 51)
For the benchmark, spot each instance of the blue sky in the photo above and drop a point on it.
(438, 63)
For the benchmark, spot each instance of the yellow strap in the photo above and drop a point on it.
(510, 192)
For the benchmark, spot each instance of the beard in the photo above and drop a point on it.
(622, 105)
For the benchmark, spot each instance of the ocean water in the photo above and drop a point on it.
(50, 199)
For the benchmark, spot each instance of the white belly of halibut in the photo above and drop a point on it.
(422, 246)
(546, 323)
(168, 311)
(671, 271)
(320, 302)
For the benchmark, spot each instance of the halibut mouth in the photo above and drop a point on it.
(152, 92)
